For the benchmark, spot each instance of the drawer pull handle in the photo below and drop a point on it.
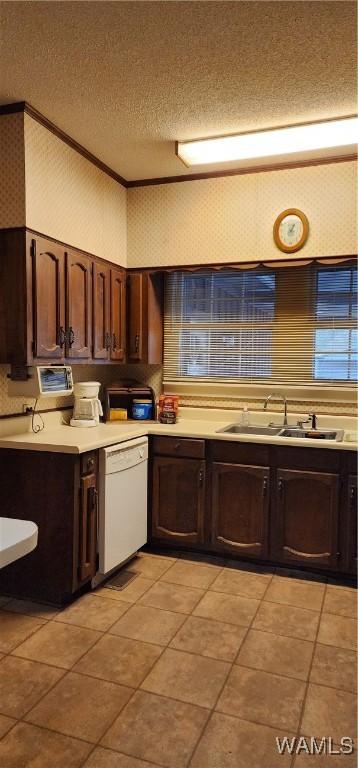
(177, 446)
(280, 486)
(136, 343)
(61, 336)
(264, 487)
(71, 337)
(107, 341)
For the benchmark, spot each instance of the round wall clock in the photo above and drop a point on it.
(290, 230)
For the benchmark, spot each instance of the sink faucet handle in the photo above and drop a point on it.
(313, 418)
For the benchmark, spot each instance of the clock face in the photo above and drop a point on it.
(291, 230)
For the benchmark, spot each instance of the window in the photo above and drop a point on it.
(335, 355)
(290, 325)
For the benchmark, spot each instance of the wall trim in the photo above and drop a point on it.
(242, 171)
(24, 106)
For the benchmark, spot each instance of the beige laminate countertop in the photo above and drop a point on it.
(65, 439)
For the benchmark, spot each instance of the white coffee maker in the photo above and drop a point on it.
(87, 407)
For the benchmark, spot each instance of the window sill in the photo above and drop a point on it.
(260, 391)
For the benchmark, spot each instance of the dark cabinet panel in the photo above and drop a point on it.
(178, 497)
(240, 504)
(101, 311)
(118, 315)
(78, 305)
(48, 299)
(59, 493)
(137, 312)
(352, 524)
(88, 511)
(145, 317)
(305, 520)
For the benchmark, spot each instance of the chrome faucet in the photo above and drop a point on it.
(283, 398)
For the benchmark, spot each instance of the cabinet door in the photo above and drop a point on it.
(178, 498)
(240, 504)
(79, 305)
(48, 299)
(352, 524)
(305, 523)
(101, 311)
(88, 511)
(118, 314)
(136, 314)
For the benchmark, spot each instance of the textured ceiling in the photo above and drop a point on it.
(126, 79)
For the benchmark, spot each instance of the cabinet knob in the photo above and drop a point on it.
(280, 486)
(90, 465)
(201, 476)
(177, 446)
(352, 495)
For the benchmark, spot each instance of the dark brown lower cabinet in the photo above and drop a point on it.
(178, 500)
(304, 526)
(59, 493)
(352, 524)
(240, 504)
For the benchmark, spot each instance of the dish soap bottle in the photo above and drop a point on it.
(245, 417)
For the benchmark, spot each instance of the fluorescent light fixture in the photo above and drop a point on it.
(280, 141)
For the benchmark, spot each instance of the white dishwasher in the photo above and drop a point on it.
(122, 518)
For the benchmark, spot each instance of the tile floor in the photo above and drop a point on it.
(194, 663)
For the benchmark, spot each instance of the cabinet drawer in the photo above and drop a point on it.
(89, 463)
(179, 446)
(233, 452)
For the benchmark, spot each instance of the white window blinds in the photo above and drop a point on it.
(286, 325)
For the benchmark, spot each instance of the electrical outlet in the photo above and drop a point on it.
(27, 408)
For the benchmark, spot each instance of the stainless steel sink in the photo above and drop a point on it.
(238, 429)
(314, 434)
(310, 434)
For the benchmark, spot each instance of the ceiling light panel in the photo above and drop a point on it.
(281, 141)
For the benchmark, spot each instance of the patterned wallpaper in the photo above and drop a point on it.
(230, 219)
(70, 199)
(106, 374)
(12, 171)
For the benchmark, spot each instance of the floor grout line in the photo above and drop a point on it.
(303, 706)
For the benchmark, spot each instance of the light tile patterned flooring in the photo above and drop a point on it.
(194, 663)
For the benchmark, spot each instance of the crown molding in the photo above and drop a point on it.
(25, 107)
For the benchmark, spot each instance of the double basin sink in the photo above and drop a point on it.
(311, 434)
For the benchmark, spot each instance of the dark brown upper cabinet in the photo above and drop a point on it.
(78, 305)
(305, 518)
(101, 310)
(109, 312)
(48, 299)
(145, 317)
(240, 504)
(118, 315)
(58, 303)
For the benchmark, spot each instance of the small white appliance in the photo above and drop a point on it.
(122, 520)
(87, 406)
(44, 381)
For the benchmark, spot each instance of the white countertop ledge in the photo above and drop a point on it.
(66, 439)
(17, 538)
